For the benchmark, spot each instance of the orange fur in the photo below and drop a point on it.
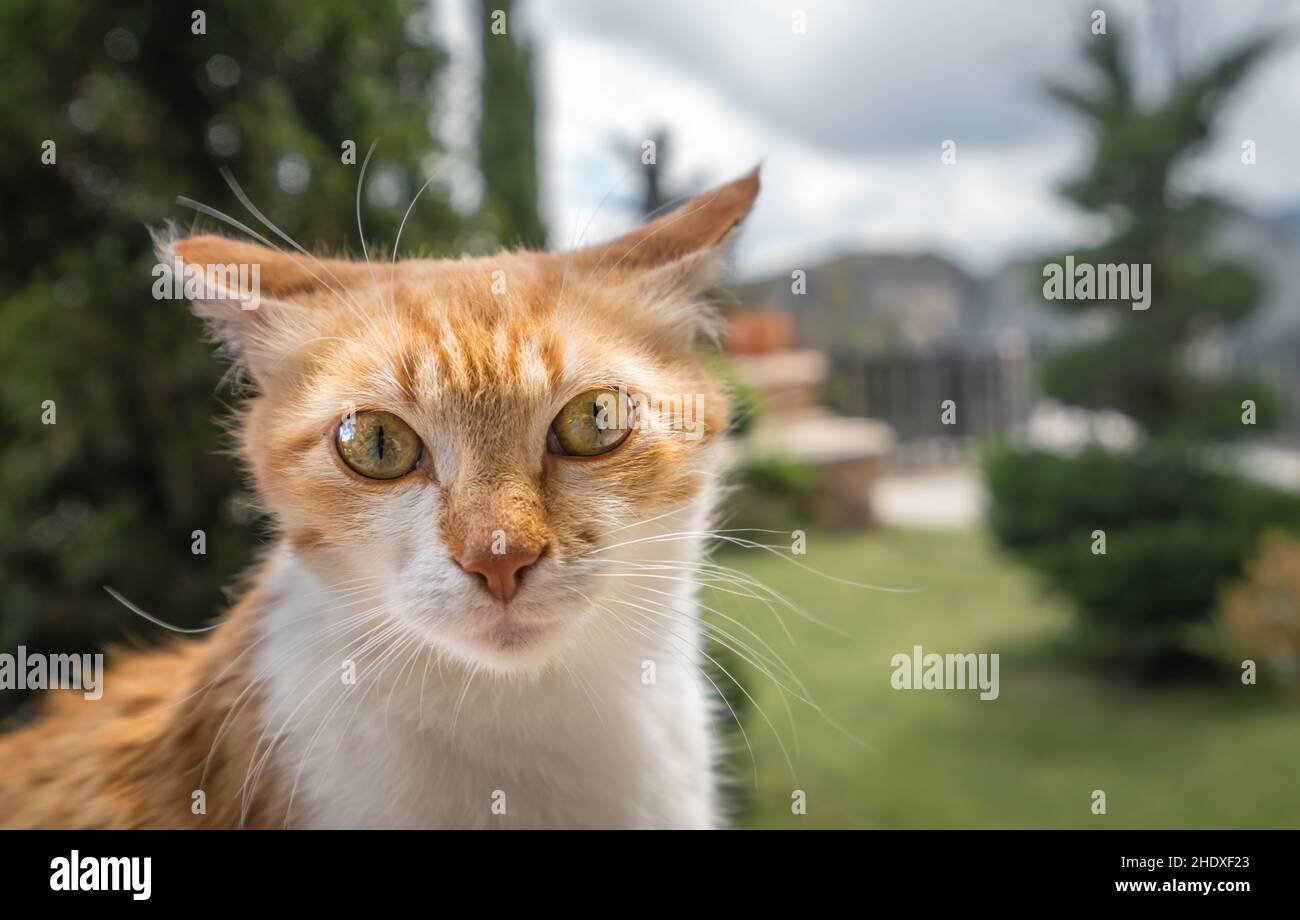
(134, 758)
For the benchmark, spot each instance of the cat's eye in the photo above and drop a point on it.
(378, 445)
(592, 424)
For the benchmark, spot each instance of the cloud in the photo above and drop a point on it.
(849, 117)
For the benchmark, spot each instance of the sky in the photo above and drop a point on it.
(849, 116)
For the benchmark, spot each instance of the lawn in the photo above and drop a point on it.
(1206, 756)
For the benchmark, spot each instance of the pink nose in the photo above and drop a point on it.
(500, 571)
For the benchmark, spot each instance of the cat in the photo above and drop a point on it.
(478, 609)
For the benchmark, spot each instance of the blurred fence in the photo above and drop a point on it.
(993, 393)
(990, 393)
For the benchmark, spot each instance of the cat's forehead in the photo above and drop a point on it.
(445, 335)
(488, 304)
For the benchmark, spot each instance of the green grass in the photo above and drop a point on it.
(1210, 756)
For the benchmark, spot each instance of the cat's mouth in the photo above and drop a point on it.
(502, 636)
(512, 634)
(508, 628)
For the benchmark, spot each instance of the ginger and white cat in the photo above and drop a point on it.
(478, 612)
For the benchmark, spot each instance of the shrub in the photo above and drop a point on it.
(1175, 530)
(1261, 612)
(775, 493)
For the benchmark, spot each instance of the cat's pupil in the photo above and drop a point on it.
(379, 442)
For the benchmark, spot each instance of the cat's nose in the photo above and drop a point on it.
(500, 572)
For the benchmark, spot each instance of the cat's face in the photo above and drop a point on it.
(479, 442)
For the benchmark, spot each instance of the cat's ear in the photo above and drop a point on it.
(664, 264)
(252, 298)
(680, 242)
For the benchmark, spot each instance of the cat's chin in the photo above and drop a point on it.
(507, 645)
